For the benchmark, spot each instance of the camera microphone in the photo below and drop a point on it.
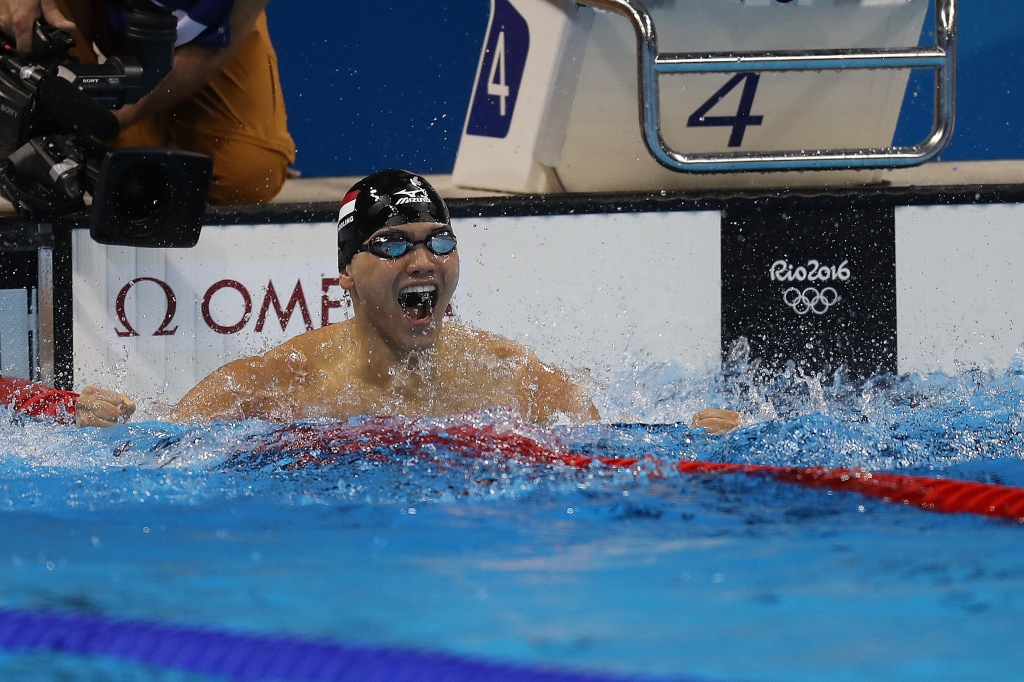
(69, 106)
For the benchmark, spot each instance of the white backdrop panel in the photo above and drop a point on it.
(959, 286)
(251, 258)
(598, 291)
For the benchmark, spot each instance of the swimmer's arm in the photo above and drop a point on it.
(243, 389)
(552, 393)
(716, 421)
(194, 65)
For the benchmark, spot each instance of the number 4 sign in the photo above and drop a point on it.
(742, 119)
(498, 87)
(501, 73)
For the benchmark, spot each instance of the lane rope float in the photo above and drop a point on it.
(312, 444)
(257, 658)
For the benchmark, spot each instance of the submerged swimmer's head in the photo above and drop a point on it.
(397, 257)
(388, 198)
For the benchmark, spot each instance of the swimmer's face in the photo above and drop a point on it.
(404, 299)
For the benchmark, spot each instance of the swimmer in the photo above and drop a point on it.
(92, 407)
(398, 354)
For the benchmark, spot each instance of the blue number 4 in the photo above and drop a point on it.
(741, 120)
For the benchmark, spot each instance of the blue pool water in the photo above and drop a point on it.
(714, 577)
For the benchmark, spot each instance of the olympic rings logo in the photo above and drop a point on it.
(810, 300)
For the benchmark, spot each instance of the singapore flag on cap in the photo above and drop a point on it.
(348, 207)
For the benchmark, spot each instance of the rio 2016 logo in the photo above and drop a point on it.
(809, 299)
(814, 271)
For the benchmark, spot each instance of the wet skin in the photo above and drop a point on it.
(390, 359)
(716, 421)
(103, 408)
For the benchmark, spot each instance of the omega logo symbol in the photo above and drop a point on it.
(810, 300)
(122, 315)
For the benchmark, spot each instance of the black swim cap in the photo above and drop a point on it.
(385, 199)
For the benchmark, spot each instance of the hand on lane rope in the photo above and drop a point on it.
(103, 408)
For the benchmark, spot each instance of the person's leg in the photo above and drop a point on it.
(243, 172)
(238, 118)
(149, 132)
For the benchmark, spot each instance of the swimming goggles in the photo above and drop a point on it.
(396, 245)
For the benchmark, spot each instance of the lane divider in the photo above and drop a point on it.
(315, 444)
(254, 658)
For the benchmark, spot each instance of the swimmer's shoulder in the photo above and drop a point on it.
(292, 361)
(252, 386)
(305, 352)
(477, 343)
(544, 391)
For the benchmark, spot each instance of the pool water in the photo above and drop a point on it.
(406, 542)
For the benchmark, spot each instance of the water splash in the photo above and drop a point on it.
(964, 426)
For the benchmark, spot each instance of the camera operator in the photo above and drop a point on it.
(222, 97)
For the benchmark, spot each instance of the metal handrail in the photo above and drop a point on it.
(941, 57)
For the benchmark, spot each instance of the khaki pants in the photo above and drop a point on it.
(237, 118)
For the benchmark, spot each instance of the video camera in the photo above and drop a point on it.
(53, 111)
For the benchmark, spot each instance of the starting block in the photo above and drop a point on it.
(750, 85)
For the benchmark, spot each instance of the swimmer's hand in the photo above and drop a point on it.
(715, 421)
(103, 408)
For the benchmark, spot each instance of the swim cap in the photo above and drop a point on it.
(385, 199)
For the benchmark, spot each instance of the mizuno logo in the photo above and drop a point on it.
(412, 196)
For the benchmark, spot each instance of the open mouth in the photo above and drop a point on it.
(418, 301)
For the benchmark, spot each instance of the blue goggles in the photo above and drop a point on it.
(391, 246)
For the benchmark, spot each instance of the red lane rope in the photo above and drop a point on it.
(38, 400)
(318, 445)
(945, 495)
(933, 494)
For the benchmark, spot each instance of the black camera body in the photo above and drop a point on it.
(54, 111)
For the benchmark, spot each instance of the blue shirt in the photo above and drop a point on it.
(200, 22)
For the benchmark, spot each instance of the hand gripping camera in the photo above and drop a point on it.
(54, 111)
